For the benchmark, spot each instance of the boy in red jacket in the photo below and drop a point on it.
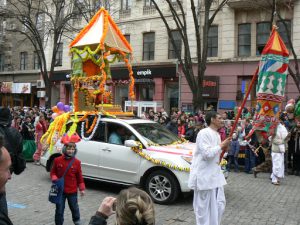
(73, 179)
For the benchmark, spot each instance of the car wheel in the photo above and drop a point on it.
(162, 187)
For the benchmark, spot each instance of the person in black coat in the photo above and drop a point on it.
(5, 175)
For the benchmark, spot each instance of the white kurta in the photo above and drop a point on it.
(207, 179)
(278, 149)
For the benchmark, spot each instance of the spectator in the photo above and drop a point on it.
(40, 129)
(14, 145)
(181, 128)
(29, 145)
(132, 206)
(233, 153)
(5, 175)
(172, 125)
(73, 179)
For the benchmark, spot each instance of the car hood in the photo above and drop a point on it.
(184, 149)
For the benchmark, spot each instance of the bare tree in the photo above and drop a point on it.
(44, 23)
(179, 17)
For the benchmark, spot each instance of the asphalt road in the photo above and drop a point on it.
(249, 201)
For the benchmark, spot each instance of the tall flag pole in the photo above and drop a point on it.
(271, 72)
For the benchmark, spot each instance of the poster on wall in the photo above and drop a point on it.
(15, 88)
(21, 88)
(6, 87)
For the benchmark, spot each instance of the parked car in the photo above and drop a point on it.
(161, 168)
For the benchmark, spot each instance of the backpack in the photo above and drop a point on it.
(13, 142)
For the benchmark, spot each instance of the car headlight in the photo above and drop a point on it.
(188, 159)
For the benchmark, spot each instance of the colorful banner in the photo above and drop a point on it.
(271, 84)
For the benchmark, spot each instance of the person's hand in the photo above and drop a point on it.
(82, 193)
(225, 143)
(106, 206)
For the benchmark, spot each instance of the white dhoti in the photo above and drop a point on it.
(209, 206)
(277, 166)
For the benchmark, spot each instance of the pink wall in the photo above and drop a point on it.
(228, 80)
(159, 89)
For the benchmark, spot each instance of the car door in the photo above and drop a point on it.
(118, 162)
(89, 152)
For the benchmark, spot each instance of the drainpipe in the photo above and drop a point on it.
(179, 85)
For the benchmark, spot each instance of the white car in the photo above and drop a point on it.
(160, 165)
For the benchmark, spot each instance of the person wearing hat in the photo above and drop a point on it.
(73, 178)
(13, 142)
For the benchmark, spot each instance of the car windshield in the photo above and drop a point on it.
(154, 132)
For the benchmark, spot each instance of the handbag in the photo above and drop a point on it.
(57, 187)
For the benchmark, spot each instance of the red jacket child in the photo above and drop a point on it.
(73, 178)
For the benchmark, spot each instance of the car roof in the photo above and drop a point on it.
(128, 120)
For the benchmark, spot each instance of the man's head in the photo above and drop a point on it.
(5, 164)
(5, 116)
(214, 119)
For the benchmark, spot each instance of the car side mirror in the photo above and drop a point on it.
(131, 143)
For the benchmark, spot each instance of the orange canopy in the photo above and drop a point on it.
(101, 30)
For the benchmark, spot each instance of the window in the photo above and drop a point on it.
(285, 32)
(177, 39)
(262, 36)
(148, 46)
(36, 61)
(39, 21)
(2, 63)
(212, 47)
(148, 3)
(125, 4)
(127, 37)
(59, 54)
(23, 60)
(244, 39)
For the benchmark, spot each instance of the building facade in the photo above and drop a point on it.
(236, 40)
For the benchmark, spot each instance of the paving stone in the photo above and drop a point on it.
(249, 201)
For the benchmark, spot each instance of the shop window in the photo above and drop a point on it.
(177, 39)
(59, 55)
(146, 92)
(262, 36)
(285, 32)
(212, 47)
(23, 60)
(244, 39)
(148, 46)
(2, 62)
(36, 61)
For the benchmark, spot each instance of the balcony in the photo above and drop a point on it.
(124, 13)
(250, 4)
(149, 10)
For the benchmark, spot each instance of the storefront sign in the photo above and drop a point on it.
(144, 72)
(211, 87)
(15, 88)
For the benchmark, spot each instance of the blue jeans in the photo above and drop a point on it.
(231, 159)
(249, 160)
(73, 205)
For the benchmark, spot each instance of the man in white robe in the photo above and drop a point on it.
(206, 177)
(278, 150)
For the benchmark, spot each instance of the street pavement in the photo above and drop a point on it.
(249, 201)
